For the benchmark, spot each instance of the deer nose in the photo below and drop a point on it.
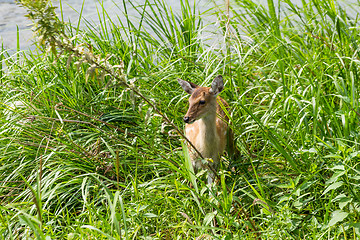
(186, 119)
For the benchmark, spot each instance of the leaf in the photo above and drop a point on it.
(338, 167)
(332, 156)
(354, 177)
(333, 187)
(338, 197)
(150, 215)
(285, 185)
(208, 218)
(337, 216)
(343, 200)
(354, 154)
(335, 177)
(189, 167)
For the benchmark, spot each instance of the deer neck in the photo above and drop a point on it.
(207, 134)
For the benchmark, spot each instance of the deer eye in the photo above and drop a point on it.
(202, 102)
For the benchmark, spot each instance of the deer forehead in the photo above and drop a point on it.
(201, 93)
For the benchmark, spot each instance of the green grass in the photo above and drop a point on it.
(84, 156)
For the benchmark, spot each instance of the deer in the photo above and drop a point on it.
(206, 124)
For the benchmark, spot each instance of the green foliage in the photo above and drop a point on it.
(89, 141)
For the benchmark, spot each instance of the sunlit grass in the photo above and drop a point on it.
(85, 157)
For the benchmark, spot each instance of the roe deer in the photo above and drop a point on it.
(206, 123)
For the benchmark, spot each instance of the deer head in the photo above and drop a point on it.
(202, 101)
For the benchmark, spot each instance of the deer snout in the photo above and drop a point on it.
(186, 119)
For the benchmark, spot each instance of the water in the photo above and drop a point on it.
(12, 16)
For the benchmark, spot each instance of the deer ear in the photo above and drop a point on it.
(217, 85)
(188, 87)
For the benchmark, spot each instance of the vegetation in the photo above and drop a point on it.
(90, 141)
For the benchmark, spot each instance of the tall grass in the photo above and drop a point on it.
(84, 156)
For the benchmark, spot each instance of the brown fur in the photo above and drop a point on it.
(207, 126)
